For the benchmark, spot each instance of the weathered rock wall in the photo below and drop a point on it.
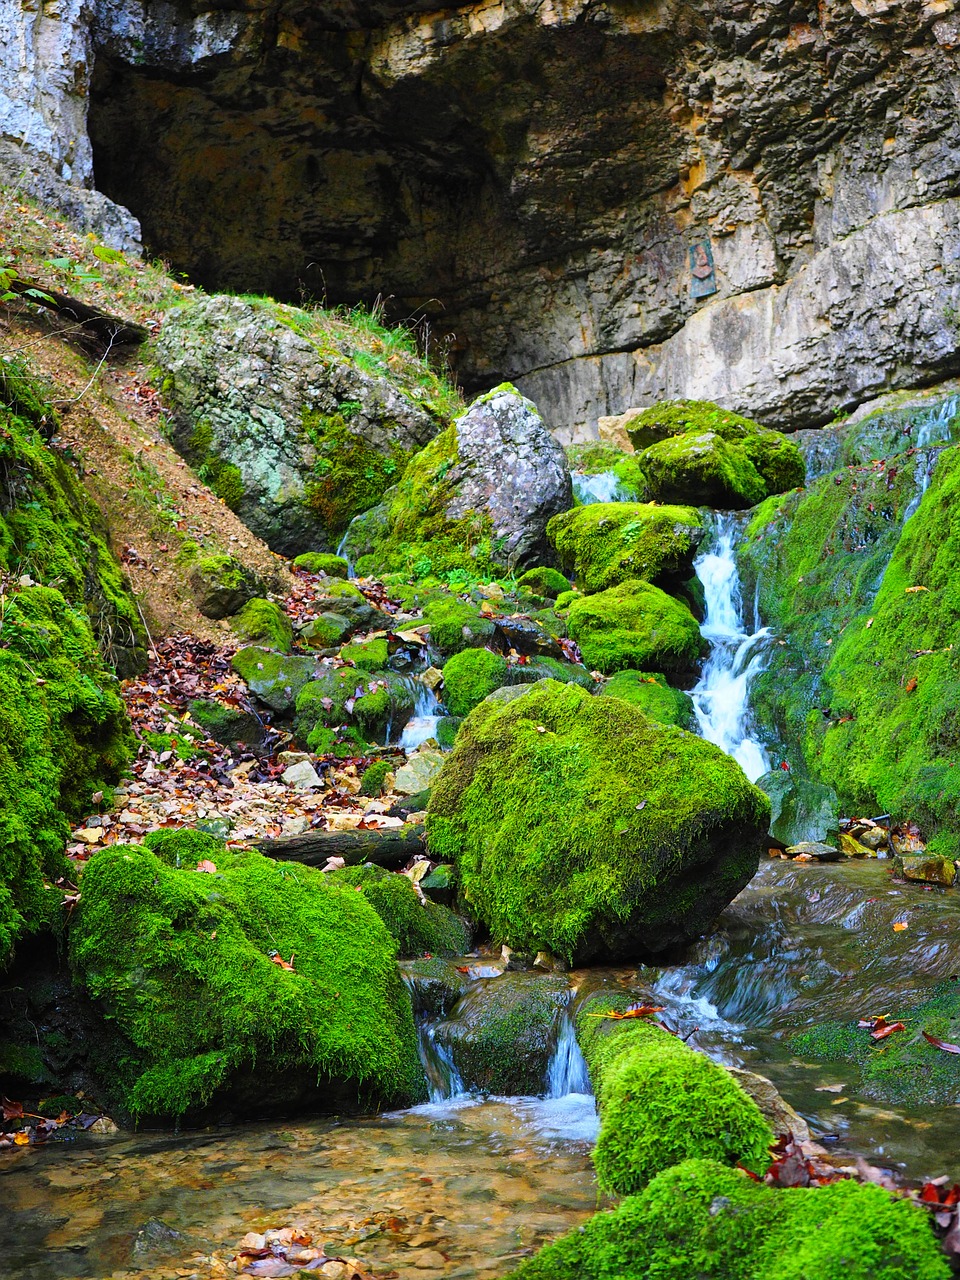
(534, 176)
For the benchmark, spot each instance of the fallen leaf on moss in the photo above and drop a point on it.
(943, 1045)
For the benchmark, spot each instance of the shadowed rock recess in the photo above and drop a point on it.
(534, 179)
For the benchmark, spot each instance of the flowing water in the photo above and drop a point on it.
(423, 723)
(721, 698)
(605, 486)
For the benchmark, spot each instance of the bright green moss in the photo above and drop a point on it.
(370, 655)
(343, 742)
(635, 625)
(903, 1069)
(469, 676)
(447, 729)
(185, 743)
(51, 531)
(702, 1220)
(322, 562)
(660, 1103)
(224, 478)
(544, 582)
(867, 688)
(538, 806)
(184, 847)
(653, 696)
(181, 961)
(25, 395)
(566, 599)
(275, 678)
(349, 475)
(63, 735)
(263, 622)
(552, 669)
(455, 624)
(418, 927)
(347, 696)
(610, 542)
(704, 469)
(503, 1031)
(374, 777)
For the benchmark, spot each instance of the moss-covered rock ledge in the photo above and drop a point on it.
(583, 828)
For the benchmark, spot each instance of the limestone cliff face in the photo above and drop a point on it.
(607, 202)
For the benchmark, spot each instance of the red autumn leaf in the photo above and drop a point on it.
(911, 684)
(881, 1033)
(279, 961)
(941, 1044)
(12, 1110)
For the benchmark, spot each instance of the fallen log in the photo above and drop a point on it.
(389, 847)
(108, 329)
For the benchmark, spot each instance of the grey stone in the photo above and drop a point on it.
(776, 1110)
(511, 468)
(814, 849)
(800, 809)
(419, 771)
(301, 775)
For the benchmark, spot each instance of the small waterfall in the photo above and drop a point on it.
(934, 430)
(342, 550)
(444, 1081)
(423, 723)
(605, 486)
(721, 697)
(567, 1071)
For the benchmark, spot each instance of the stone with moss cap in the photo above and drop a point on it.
(181, 961)
(368, 655)
(64, 734)
(661, 1102)
(322, 562)
(222, 585)
(635, 625)
(371, 701)
(544, 581)
(263, 622)
(469, 676)
(275, 678)
(580, 827)
(703, 1219)
(655, 698)
(610, 542)
(289, 416)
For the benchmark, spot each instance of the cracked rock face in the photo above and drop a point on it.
(607, 203)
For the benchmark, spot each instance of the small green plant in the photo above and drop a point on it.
(74, 270)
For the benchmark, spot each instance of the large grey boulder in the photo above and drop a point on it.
(278, 416)
(510, 467)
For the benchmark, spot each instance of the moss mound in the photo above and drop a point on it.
(660, 1103)
(611, 542)
(263, 622)
(370, 701)
(181, 962)
(652, 695)
(276, 679)
(469, 676)
(322, 562)
(417, 927)
(580, 827)
(635, 625)
(503, 1033)
(184, 847)
(456, 624)
(700, 1219)
(543, 581)
(63, 735)
(867, 687)
(368, 655)
(374, 778)
(49, 528)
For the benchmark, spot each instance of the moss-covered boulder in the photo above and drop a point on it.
(477, 496)
(374, 778)
(368, 655)
(185, 964)
(322, 562)
(275, 678)
(417, 927)
(661, 1102)
(297, 412)
(469, 676)
(651, 693)
(501, 1032)
(371, 701)
(263, 622)
(701, 1219)
(456, 624)
(580, 827)
(694, 451)
(225, 722)
(222, 585)
(63, 735)
(543, 581)
(610, 542)
(635, 625)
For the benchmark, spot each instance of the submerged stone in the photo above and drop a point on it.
(927, 868)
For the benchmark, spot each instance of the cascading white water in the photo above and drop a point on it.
(342, 550)
(721, 697)
(605, 486)
(934, 430)
(567, 1071)
(423, 723)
